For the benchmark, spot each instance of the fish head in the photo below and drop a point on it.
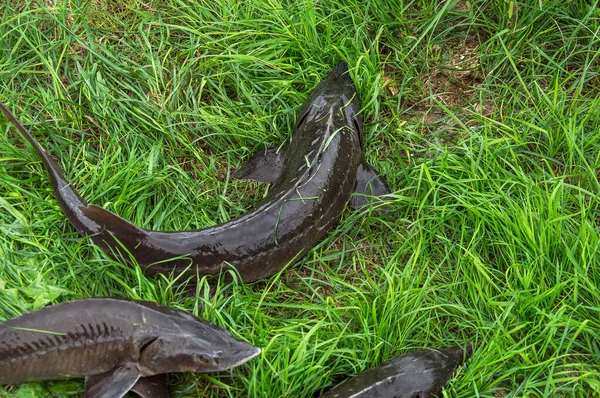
(206, 348)
(334, 100)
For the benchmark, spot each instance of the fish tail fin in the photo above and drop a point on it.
(8, 114)
(67, 197)
(51, 166)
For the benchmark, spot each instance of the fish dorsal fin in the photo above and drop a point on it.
(112, 384)
(368, 182)
(264, 166)
(166, 310)
(111, 222)
(152, 387)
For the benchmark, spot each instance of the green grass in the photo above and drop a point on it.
(484, 116)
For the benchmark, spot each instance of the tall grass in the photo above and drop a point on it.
(484, 116)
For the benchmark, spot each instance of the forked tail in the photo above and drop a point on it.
(103, 225)
(54, 170)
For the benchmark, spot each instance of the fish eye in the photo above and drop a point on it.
(204, 358)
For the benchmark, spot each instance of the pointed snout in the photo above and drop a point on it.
(248, 354)
(240, 355)
(340, 68)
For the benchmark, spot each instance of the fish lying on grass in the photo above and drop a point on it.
(417, 374)
(313, 178)
(118, 345)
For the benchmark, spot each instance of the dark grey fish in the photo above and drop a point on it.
(417, 374)
(313, 178)
(116, 344)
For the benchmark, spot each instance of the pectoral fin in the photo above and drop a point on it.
(368, 182)
(264, 166)
(113, 384)
(152, 387)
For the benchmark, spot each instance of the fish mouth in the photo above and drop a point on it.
(468, 351)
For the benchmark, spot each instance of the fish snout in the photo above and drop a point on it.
(340, 68)
(238, 356)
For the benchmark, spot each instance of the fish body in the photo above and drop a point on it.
(312, 179)
(115, 343)
(421, 374)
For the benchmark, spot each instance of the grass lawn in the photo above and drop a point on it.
(484, 116)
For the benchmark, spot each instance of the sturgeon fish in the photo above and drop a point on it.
(417, 374)
(116, 344)
(312, 179)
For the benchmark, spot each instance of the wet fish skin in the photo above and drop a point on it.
(417, 374)
(313, 178)
(113, 342)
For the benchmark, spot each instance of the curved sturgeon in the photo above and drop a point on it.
(118, 345)
(313, 179)
(417, 374)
